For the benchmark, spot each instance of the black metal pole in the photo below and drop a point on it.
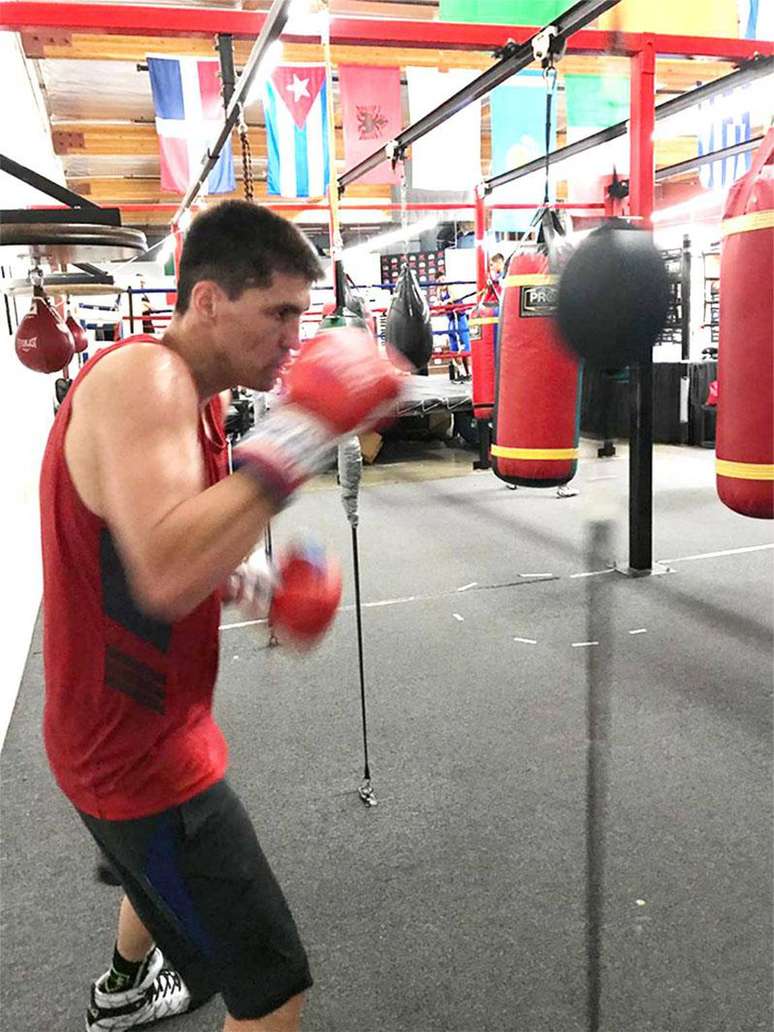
(517, 57)
(46, 186)
(685, 299)
(685, 337)
(131, 310)
(226, 58)
(360, 660)
(641, 465)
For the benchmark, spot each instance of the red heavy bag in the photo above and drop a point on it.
(484, 321)
(537, 401)
(745, 421)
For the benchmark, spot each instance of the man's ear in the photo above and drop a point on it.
(205, 298)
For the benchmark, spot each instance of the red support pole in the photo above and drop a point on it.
(480, 229)
(642, 183)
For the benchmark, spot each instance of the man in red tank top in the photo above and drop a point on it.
(140, 528)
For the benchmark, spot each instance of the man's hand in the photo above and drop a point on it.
(338, 385)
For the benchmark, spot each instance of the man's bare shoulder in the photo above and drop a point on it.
(142, 373)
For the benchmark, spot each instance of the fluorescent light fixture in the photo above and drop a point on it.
(166, 249)
(393, 236)
(754, 98)
(271, 60)
(705, 204)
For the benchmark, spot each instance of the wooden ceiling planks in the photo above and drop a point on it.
(102, 114)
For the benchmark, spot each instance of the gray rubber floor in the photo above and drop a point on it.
(458, 903)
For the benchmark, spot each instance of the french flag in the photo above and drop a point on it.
(295, 105)
(189, 116)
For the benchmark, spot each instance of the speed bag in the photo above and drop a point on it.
(745, 420)
(537, 398)
(484, 321)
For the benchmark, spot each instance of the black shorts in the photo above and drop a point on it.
(201, 885)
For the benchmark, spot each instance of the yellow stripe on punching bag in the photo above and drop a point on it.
(747, 223)
(744, 470)
(550, 454)
(484, 322)
(531, 279)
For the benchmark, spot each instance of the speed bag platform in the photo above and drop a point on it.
(536, 424)
(484, 321)
(745, 421)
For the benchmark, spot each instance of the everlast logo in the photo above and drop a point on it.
(538, 301)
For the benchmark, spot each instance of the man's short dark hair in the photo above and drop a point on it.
(239, 245)
(497, 257)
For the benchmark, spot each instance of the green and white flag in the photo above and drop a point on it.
(595, 102)
(502, 12)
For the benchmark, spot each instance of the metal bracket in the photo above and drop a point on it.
(548, 47)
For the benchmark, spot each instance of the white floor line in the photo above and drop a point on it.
(458, 617)
(467, 587)
(535, 576)
(527, 641)
(244, 623)
(715, 555)
(592, 573)
(583, 644)
(639, 630)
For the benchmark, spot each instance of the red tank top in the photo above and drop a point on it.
(128, 723)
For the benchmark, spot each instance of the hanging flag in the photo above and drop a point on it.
(371, 114)
(449, 157)
(518, 111)
(723, 121)
(189, 117)
(594, 102)
(295, 104)
(756, 19)
(502, 12)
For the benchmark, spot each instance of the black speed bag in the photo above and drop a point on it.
(407, 327)
(613, 297)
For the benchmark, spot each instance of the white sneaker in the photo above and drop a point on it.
(160, 993)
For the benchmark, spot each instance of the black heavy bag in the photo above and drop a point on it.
(407, 327)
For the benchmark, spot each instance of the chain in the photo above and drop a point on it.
(549, 75)
(404, 221)
(247, 157)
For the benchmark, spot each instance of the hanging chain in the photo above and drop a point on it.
(247, 156)
(549, 75)
(404, 220)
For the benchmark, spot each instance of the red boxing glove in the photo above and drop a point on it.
(306, 595)
(338, 385)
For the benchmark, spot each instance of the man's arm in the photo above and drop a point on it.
(178, 540)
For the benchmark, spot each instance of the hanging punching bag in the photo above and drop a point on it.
(348, 309)
(745, 421)
(537, 398)
(407, 327)
(484, 322)
(43, 341)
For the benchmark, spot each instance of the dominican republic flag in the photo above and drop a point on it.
(189, 116)
(295, 104)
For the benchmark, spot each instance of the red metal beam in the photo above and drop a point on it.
(140, 20)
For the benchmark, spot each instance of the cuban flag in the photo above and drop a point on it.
(189, 116)
(295, 104)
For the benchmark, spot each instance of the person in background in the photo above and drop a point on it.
(459, 336)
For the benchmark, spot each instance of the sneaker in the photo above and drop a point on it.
(159, 993)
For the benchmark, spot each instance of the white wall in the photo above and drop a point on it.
(27, 409)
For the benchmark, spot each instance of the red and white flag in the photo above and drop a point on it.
(189, 116)
(371, 113)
